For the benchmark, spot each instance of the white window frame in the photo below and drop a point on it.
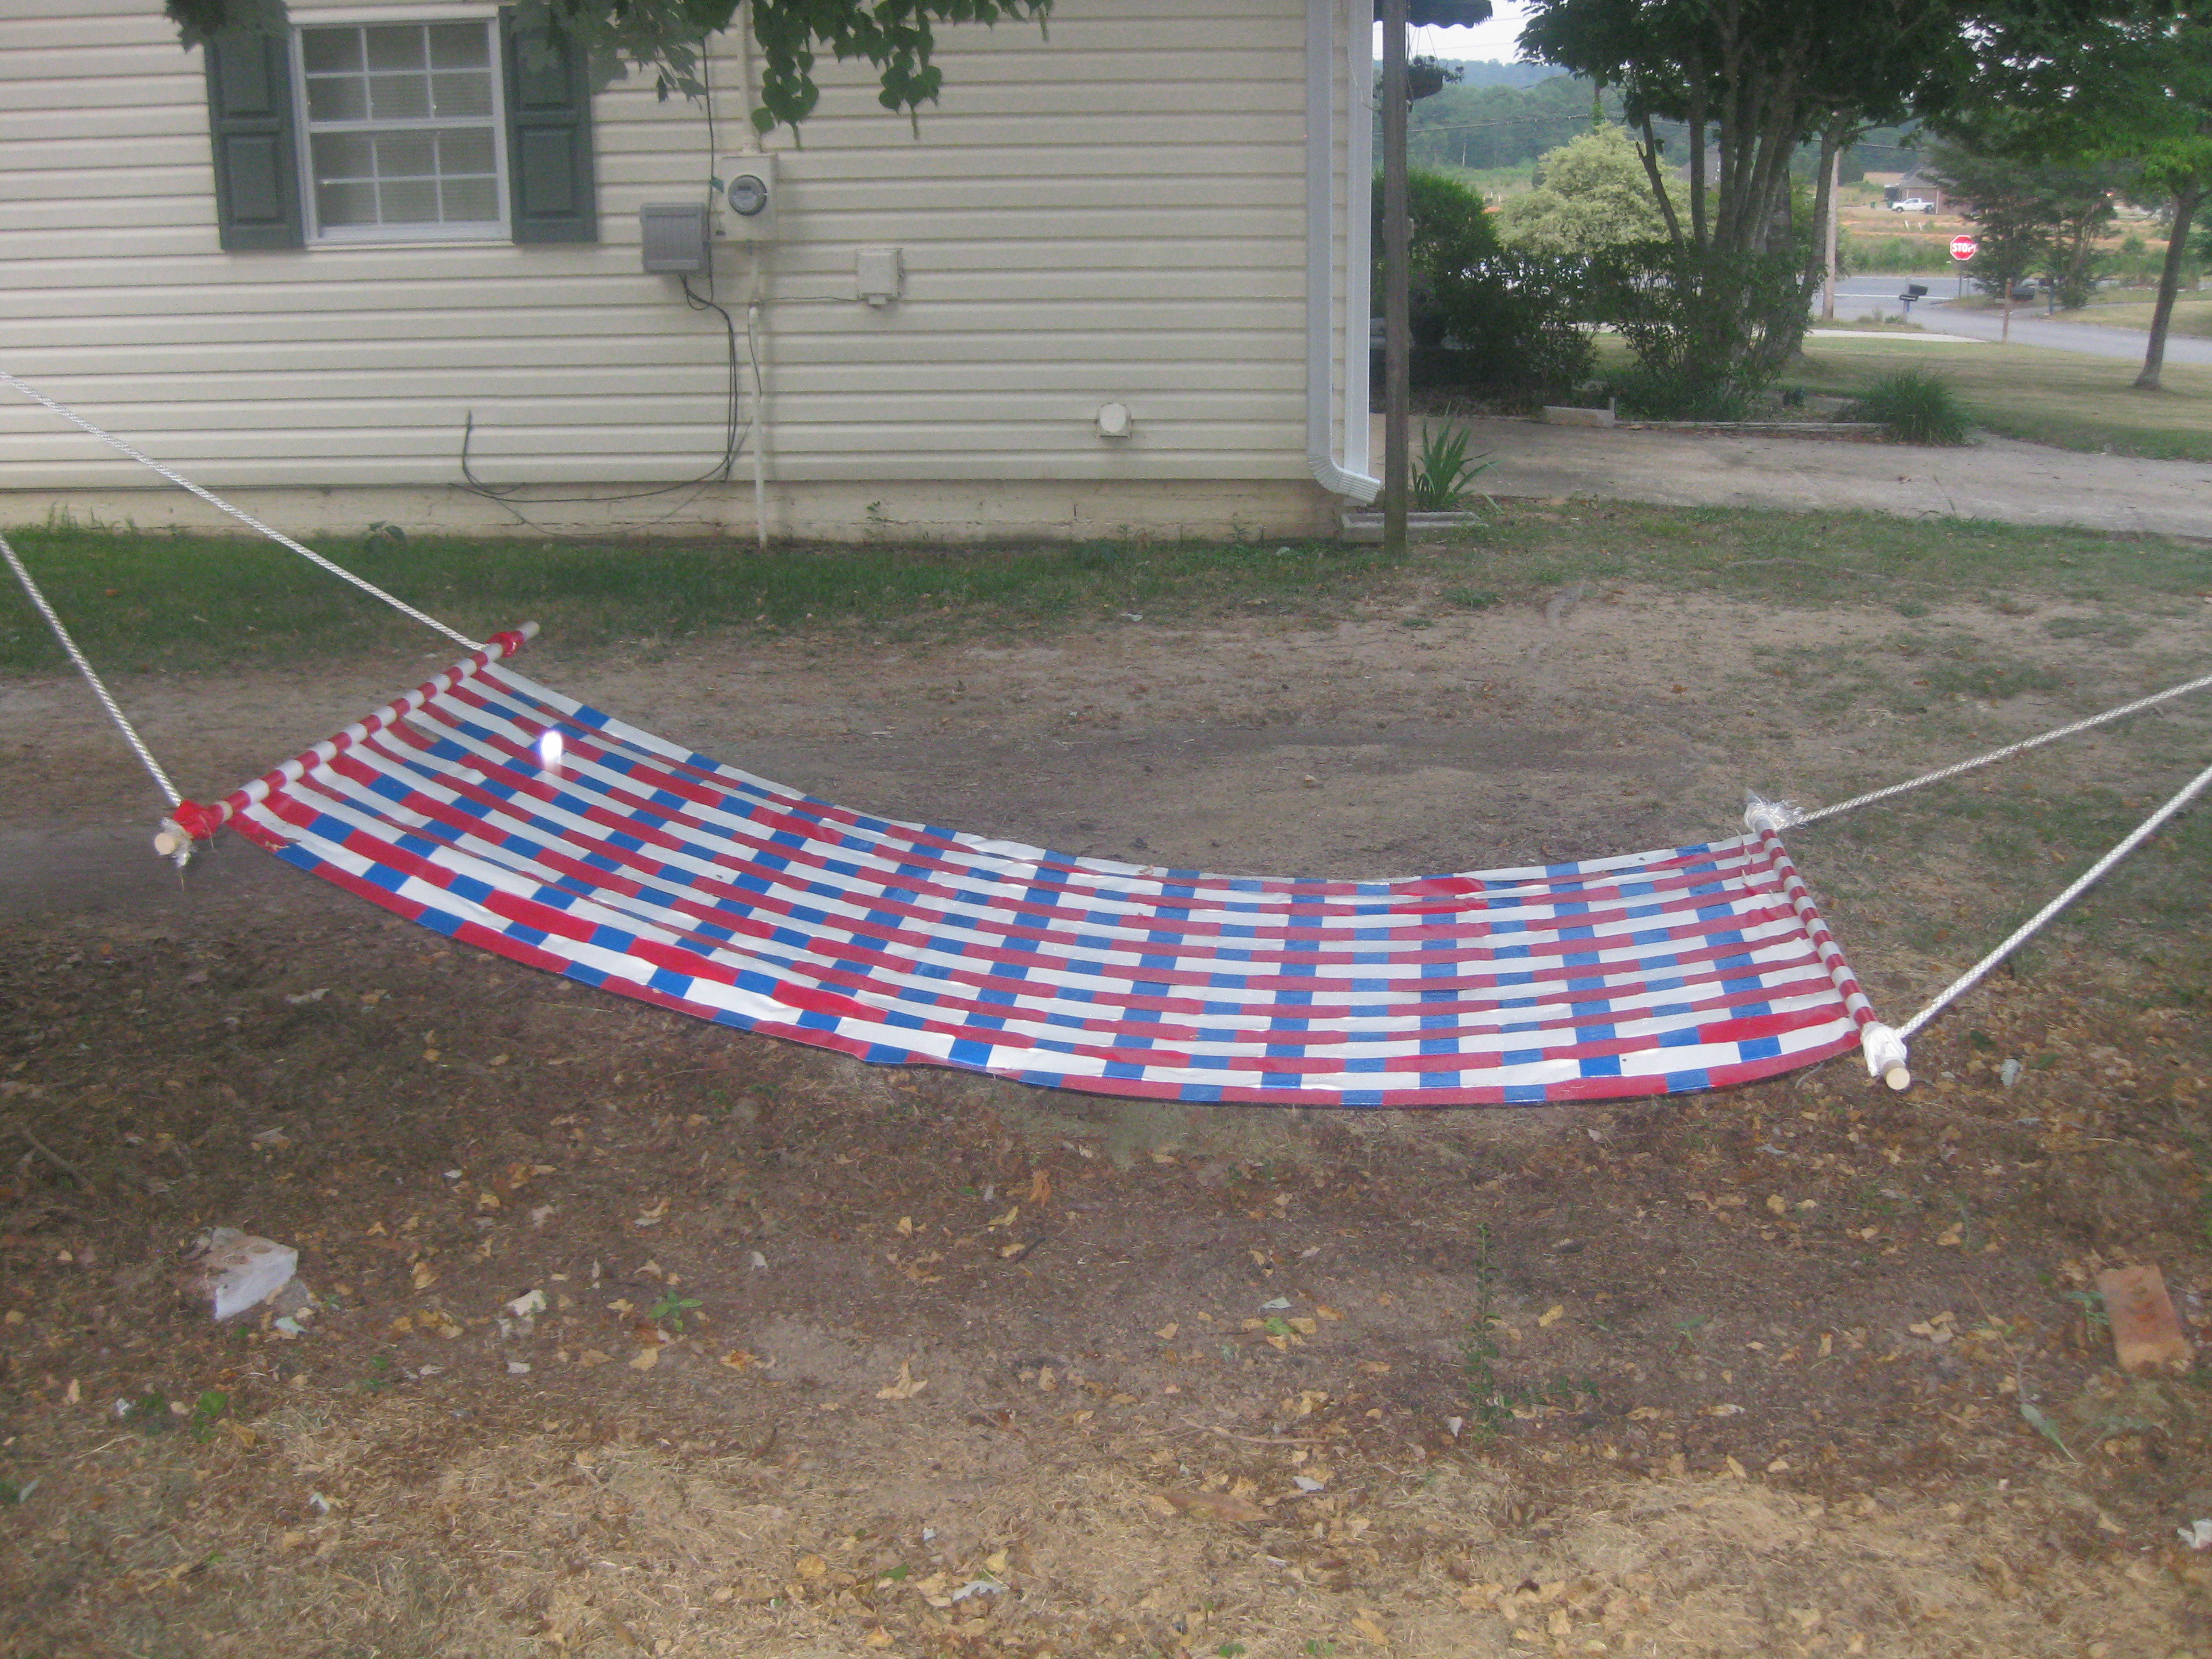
(475, 230)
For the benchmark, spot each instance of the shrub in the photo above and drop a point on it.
(1916, 407)
(1709, 329)
(1484, 320)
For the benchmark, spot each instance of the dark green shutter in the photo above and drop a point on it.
(551, 191)
(256, 158)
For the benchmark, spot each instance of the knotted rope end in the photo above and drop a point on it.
(1760, 814)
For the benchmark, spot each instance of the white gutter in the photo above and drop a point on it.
(1322, 201)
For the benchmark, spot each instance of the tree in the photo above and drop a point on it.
(664, 38)
(1485, 318)
(1754, 82)
(2132, 87)
(2034, 218)
(1591, 193)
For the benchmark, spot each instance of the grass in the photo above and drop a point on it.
(2060, 398)
(139, 601)
(2192, 314)
(187, 605)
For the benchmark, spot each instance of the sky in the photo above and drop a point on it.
(1490, 42)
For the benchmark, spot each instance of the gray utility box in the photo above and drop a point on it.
(674, 235)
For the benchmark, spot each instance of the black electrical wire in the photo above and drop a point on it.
(733, 439)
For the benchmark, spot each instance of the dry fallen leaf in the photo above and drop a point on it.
(425, 1275)
(1217, 1506)
(1167, 1331)
(739, 1358)
(906, 1226)
(645, 1359)
(906, 1387)
(1040, 1186)
(1553, 1315)
(654, 1216)
(1369, 1631)
(591, 1356)
(811, 1566)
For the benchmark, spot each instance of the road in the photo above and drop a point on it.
(1861, 296)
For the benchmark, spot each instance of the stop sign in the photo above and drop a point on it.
(1962, 248)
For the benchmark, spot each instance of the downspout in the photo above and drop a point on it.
(1358, 240)
(1322, 68)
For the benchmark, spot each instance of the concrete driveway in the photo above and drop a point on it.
(1997, 478)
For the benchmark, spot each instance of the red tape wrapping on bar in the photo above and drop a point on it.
(198, 822)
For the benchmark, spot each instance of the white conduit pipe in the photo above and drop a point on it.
(239, 514)
(1321, 203)
(92, 678)
(1952, 770)
(2142, 832)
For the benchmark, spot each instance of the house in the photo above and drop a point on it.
(1919, 185)
(1118, 282)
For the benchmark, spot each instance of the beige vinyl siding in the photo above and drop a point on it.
(1118, 213)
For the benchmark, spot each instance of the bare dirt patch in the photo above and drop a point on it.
(836, 1361)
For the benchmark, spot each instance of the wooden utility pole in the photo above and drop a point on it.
(1835, 184)
(1397, 331)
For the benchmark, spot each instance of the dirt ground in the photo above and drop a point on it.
(635, 1336)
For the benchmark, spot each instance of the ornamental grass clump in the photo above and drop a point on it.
(1917, 408)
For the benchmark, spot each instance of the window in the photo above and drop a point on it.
(403, 130)
(399, 131)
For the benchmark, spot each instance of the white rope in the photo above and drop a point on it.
(239, 514)
(99, 689)
(1795, 817)
(2026, 930)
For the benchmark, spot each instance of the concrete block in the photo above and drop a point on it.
(1561, 415)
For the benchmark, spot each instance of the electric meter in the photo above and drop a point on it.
(748, 185)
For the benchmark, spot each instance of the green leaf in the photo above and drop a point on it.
(2040, 1422)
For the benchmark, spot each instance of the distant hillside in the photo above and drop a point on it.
(1501, 75)
(1506, 115)
(1500, 125)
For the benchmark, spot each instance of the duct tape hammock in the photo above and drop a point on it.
(496, 811)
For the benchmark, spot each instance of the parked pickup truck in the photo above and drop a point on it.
(1912, 205)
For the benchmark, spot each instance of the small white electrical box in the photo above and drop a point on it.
(881, 275)
(749, 191)
(673, 235)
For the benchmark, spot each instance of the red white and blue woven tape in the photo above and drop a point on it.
(642, 869)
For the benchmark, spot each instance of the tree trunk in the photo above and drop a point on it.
(1697, 169)
(2169, 284)
(1397, 340)
(1648, 149)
